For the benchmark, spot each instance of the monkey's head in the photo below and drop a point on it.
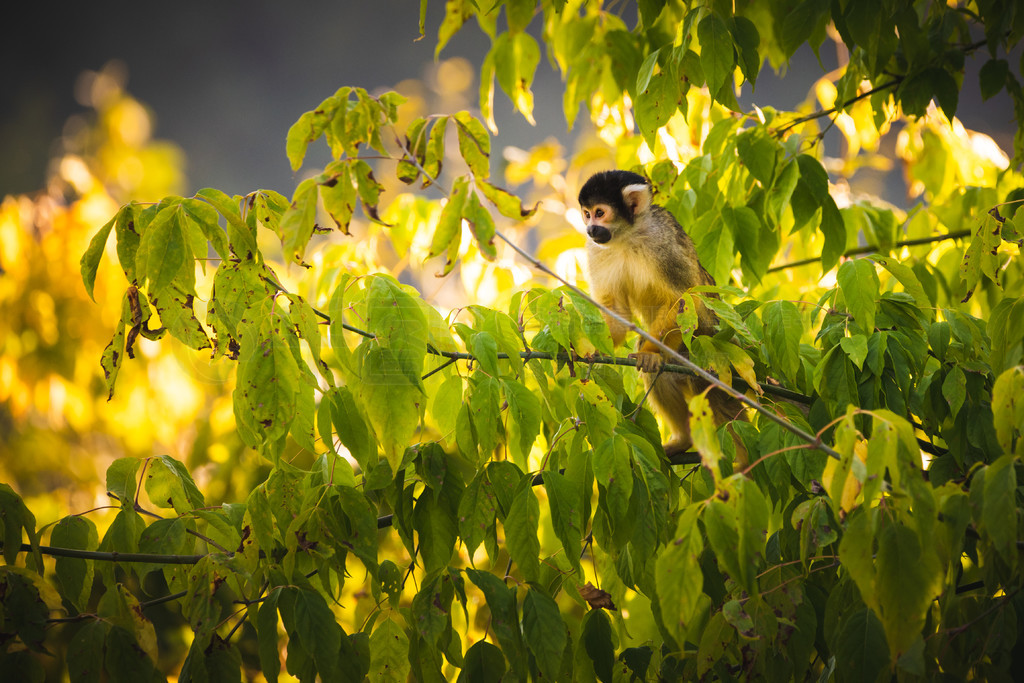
(611, 201)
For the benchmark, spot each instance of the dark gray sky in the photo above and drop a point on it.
(226, 79)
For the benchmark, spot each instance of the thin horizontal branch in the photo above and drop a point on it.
(453, 356)
(870, 249)
(113, 556)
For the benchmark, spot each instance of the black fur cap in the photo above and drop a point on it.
(606, 188)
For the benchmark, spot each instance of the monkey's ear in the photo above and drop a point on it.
(637, 198)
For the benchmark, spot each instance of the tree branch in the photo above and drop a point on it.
(870, 249)
(113, 556)
(779, 132)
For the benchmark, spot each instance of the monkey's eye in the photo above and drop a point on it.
(586, 215)
(599, 213)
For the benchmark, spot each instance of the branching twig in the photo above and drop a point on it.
(779, 132)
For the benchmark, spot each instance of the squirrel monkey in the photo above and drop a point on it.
(640, 262)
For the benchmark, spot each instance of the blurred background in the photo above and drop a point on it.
(225, 80)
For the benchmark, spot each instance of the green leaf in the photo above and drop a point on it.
(643, 77)
(756, 243)
(122, 480)
(705, 435)
(758, 153)
(564, 503)
(434, 150)
(449, 225)
(856, 553)
(477, 511)
(906, 277)
(748, 41)
(474, 143)
(614, 477)
(999, 514)
(859, 284)
(834, 230)
(430, 613)
(1008, 408)
(993, 77)
(16, 516)
(389, 650)
(297, 222)
(318, 631)
(524, 409)
(799, 23)
(362, 518)
(545, 632)
(856, 349)
(438, 531)
(123, 533)
(164, 537)
(300, 134)
(678, 575)
(481, 225)
(954, 389)
(783, 328)
(124, 660)
(817, 530)
(203, 216)
(75, 575)
(861, 652)
(456, 13)
(516, 57)
(484, 411)
(397, 321)
(909, 578)
(127, 236)
(90, 262)
(507, 203)
(594, 325)
(714, 640)
(521, 528)
(350, 427)
(780, 194)
(656, 105)
(716, 251)
(175, 307)
(85, 652)
(339, 194)
(483, 663)
(162, 253)
(218, 660)
(266, 393)
(390, 388)
(717, 57)
(501, 601)
(597, 640)
(981, 256)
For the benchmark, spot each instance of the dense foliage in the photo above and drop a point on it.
(467, 482)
